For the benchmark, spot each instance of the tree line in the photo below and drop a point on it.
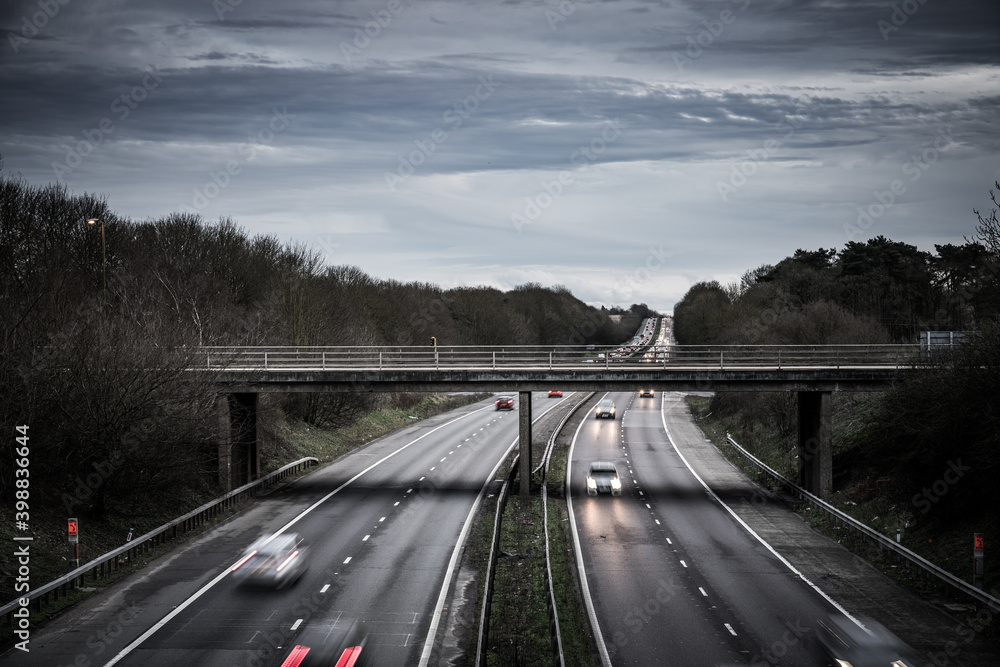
(95, 337)
(878, 291)
(931, 426)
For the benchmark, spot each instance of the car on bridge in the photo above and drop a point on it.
(555, 393)
(272, 562)
(605, 409)
(603, 478)
(505, 403)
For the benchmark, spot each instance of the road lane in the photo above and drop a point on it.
(379, 551)
(672, 573)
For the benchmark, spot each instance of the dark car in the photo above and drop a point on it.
(603, 478)
(645, 393)
(338, 645)
(605, 409)
(849, 644)
(505, 403)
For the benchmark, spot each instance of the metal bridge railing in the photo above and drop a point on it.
(718, 357)
(870, 535)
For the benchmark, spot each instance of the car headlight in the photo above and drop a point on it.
(591, 483)
(616, 483)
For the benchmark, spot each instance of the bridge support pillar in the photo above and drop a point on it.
(239, 459)
(815, 443)
(524, 441)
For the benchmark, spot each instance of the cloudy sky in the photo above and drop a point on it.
(624, 149)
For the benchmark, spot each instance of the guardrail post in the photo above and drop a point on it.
(494, 360)
(380, 359)
(722, 365)
(323, 362)
(550, 360)
(265, 359)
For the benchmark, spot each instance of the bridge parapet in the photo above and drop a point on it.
(528, 357)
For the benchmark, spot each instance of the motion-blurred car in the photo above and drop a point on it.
(852, 646)
(505, 403)
(603, 478)
(555, 393)
(605, 409)
(272, 562)
(338, 645)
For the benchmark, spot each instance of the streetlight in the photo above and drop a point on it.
(104, 256)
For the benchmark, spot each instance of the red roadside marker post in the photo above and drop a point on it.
(977, 560)
(73, 530)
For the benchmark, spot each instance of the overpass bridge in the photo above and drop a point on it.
(814, 372)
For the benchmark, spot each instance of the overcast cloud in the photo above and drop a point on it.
(623, 149)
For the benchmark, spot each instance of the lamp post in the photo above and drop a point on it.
(104, 261)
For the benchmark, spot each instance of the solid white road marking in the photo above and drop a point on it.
(295, 625)
(746, 526)
(222, 575)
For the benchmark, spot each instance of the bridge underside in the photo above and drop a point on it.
(239, 459)
(513, 380)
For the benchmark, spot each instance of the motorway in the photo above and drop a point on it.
(724, 573)
(382, 524)
(671, 572)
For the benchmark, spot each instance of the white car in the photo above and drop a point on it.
(603, 477)
(273, 562)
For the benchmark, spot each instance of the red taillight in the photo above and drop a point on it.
(296, 657)
(349, 657)
(244, 560)
(288, 560)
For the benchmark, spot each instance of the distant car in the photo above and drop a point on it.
(555, 393)
(605, 409)
(273, 562)
(603, 478)
(645, 393)
(505, 403)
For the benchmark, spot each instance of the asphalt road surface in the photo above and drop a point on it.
(382, 524)
(675, 577)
